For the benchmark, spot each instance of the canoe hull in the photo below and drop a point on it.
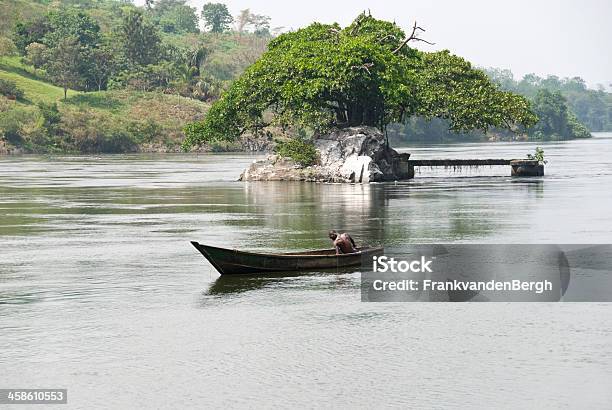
(234, 262)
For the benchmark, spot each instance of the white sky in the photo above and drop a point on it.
(562, 37)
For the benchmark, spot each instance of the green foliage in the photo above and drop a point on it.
(101, 65)
(56, 25)
(12, 122)
(7, 47)
(143, 78)
(555, 118)
(29, 32)
(62, 37)
(50, 115)
(36, 54)
(90, 131)
(364, 74)
(451, 89)
(301, 151)
(217, 17)
(538, 156)
(175, 16)
(63, 63)
(35, 87)
(139, 38)
(9, 88)
(73, 23)
(144, 131)
(593, 108)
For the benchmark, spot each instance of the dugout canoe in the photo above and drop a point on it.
(235, 262)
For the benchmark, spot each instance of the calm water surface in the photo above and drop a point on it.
(101, 292)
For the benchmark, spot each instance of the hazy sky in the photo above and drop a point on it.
(562, 37)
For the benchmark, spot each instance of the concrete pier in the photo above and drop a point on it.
(519, 167)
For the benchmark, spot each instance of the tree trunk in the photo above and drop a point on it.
(65, 92)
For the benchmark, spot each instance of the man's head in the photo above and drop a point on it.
(333, 235)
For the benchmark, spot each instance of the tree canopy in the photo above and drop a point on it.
(139, 38)
(217, 17)
(364, 74)
(592, 107)
(175, 16)
(556, 119)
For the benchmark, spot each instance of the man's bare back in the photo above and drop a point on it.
(342, 242)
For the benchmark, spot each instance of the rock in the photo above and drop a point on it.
(357, 154)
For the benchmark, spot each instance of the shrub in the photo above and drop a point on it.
(301, 151)
(36, 54)
(145, 131)
(7, 47)
(538, 156)
(12, 122)
(9, 88)
(51, 116)
(91, 131)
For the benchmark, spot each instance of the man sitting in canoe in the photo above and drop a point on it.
(342, 242)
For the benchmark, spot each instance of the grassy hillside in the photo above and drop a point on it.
(34, 87)
(13, 10)
(145, 102)
(105, 121)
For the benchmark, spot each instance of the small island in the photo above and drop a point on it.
(335, 90)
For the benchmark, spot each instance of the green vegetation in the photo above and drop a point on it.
(27, 78)
(593, 108)
(216, 17)
(538, 156)
(146, 76)
(174, 16)
(325, 76)
(301, 151)
(556, 120)
(106, 76)
(106, 121)
(9, 89)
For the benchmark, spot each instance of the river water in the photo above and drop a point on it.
(101, 292)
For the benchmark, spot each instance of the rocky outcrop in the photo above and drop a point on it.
(358, 155)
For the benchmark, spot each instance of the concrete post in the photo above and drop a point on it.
(526, 168)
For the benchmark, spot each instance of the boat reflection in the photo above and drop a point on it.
(235, 284)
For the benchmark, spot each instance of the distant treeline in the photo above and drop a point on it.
(567, 108)
(593, 108)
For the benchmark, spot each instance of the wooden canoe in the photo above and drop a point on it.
(235, 262)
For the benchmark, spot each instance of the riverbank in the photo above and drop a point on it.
(247, 144)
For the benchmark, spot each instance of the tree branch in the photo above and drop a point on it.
(365, 66)
(386, 37)
(413, 36)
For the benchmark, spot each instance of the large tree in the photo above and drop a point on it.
(139, 38)
(364, 74)
(63, 63)
(556, 120)
(175, 16)
(217, 17)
